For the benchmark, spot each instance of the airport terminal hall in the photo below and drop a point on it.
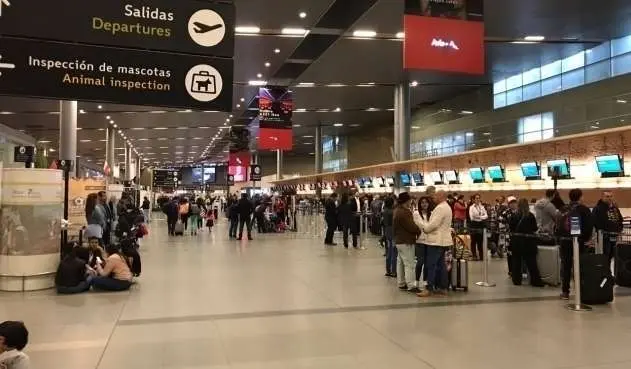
(315, 184)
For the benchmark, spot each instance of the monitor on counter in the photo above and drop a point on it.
(368, 182)
(390, 181)
(379, 182)
(531, 171)
(477, 175)
(437, 178)
(451, 177)
(610, 165)
(561, 166)
(405, 179)
(418, 179)
(496, 173)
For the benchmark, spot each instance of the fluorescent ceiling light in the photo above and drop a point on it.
(301, 110)
(400, 35)
(137, 128)
(182, 128)
(369, 84)
(85, 140)
(306, 84)
(416, 127)
(297, 126)
(43, 142)
(204, 127)
(143, 139)
(247, 29)
(535, 38)
(257, 83)
(160, 128)
(620, 101)
(466, 112)
(82, 111)
(294, 31)
(469, 134)
(364, 33)
(523, 42)
(335, 85)
(157, 112)
(338, 125)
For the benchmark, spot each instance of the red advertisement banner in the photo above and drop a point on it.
(275, 139)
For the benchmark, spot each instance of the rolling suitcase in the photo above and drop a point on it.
(179, 229)
(596, 280)
(459, 275)
(549, 263)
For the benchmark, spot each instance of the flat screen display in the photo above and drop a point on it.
(561, 164)
(405, 179)
(451, 176)
(437, 177)
(368, 182)
(530, 170)
(209, 175)
(496, 173)
(477, 174)
(390, 181)
(378, 182)
(609, 164)
(418, 179)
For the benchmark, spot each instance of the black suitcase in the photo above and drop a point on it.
(596, 280)
(622, 264)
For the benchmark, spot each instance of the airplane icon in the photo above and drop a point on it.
(199, 27)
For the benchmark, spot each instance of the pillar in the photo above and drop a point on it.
(128, 159)
(68, 133)
(318, 149)
(279, 165)
(110, 149)
(138, 171)
(402, 121)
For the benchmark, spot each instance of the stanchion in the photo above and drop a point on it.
(600, 242)
(577, 305)
(485, 261)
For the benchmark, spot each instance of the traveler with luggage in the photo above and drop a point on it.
(195, 218)
(478, 217)
(582, 212)
(438, 240)
(523, 244)
(608, 219)
(405, 234)
(331, 219)
(546, 214)
(391, 250)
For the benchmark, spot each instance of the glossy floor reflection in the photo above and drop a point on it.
(284, 301)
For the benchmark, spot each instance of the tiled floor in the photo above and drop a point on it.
(283, 301)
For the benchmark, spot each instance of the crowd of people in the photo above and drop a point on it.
(418, 233)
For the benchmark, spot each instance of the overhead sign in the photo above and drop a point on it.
(133, 77)
(187, 26)
(256, 173)
(166, 177)
(276, 107)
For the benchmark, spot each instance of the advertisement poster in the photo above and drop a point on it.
(276, 106)
(78, 191)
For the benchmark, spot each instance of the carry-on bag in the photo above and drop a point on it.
(459, 275)
(596, 280)
(622, 264)
(179, 228)
(549, 263)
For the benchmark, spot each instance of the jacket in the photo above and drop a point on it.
(587, 223)
(386, 217)
(405, 230)
(246, 208)
(170, 209)
(421, 221)
(546, 214)
(477, 214)
(330, 210)
(607, 218)
(70, 272)
(438, 228)
(526, 224)
(460, 211)
(14, 359)
(146, 205)
(344, 214)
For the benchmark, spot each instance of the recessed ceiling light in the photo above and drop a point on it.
(338, 109)
(238, 105)
(81, 111)
(364, 33)
(338, 125)
(242, 99)
(268, 64)
(294, 31)
(115, 126)
(259, 75)
(400, 35)
(247, 29)
(302, 15)
(108, 117)
(535, 38)
(414, 83)
(100, 107)
(276, 51)
(257, 83)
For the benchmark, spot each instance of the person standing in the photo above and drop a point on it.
(575, 209)
(170, 209)
(246, 208)
(478, 216)
(421, 217)
(95, 216)
(438, 240)
(233, 216)
(331, 218)
(146, 208)
(460, 214)
(109, 217)
(524, 248)
(608, 219)
(184, 212)
(346, 218)
(405, 234)
(391, 250)
(546, 214)
(355, 221)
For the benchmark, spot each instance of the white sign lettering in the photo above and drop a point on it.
(438, 42)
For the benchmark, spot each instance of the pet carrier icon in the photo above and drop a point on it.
(204, 83)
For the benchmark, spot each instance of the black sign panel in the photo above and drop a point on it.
(187, 26)
(90, 73)
(255, 173)
(23, 154)
(230, 180)
(166, 177)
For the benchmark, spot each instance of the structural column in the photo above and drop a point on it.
(110, 150)
(68, 133)
(318, 149)
(279, 165)
(138, 171)
(402, 121)
(128, 153)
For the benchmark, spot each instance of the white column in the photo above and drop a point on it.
(402, 121)
(68, 133)
(279, 165)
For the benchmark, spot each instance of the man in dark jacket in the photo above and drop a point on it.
(575, 209)
(330, 217)
(233, 216)
(246, 208)
(405, 234)
(607, 218)
(170, 209)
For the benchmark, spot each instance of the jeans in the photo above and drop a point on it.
(232, 231)
(184, 218)
(391, 256)
(247, 222)
(459, 226)
(331, 225)
(110, 284)
(171, 225)
(567, 263)
(420, 252)
(147, 214)
(524, 255)
(81, 287)
(194, 220)
(436, 270)
(406, 265)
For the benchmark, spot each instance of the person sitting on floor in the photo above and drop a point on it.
(13, 339)
(116, 275)
(95, 251)
(73, 274)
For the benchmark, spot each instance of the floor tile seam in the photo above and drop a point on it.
(332, 310)
(591, 366)
(116, 324)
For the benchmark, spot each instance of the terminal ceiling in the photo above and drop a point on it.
(339, 81)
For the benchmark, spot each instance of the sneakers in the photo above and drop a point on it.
(414, 290)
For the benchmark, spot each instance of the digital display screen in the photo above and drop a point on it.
(437, 177)
(378, 182)
(368, 182)
(609, 164)
(390, 181)
(496, 173)
(209, 175)
(451, 176)
(418, 179)
(405, 179)
(563, 167)
(477, 174)
(530, 170)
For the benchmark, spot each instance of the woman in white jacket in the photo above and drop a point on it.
(438, 240)
(421, 218)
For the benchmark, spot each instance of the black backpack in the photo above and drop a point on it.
(562, 227)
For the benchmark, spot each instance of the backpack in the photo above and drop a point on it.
(562, 227)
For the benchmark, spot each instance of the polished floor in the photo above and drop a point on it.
(284, 301)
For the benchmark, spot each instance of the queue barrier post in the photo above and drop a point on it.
(485, 261)
(577, 305)
(600, 242)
